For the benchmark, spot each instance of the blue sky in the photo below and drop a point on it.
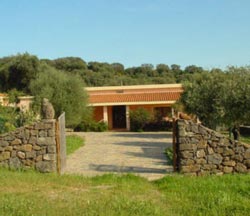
(207, 33)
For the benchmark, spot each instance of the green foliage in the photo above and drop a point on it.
(6, 126)
(88, 124)
(170, 155)
(17, 71)
(91, 125)
(245, 139)
(210, 195)
(118, 68)
(204, 96)
(65, 92)
(157, 125)
(237, 96)
(7, 119)
(13, 96)
(139, 118)
(219, 98)
(73, 142)
(25, 118)
(69, 64)
(113, 195)
(12, 118)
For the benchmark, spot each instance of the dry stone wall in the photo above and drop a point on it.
(201, 151)
(32, 146)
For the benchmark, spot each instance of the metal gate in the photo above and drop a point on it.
(61, 144)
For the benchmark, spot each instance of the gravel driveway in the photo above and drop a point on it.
(122, 152)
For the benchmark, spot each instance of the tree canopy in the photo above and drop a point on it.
(65, 92)
(219, 98)
(17, 71)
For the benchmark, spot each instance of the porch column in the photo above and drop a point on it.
(172, 111)
(127, 118)
(105, 114)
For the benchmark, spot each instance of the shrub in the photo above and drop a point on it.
(158, 126)
(11, 118)
(7, 119)
(170, 155)
(92, 126)
(138, 119)
(25, 117)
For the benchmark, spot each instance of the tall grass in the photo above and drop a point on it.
(211, 195)
(31, 193)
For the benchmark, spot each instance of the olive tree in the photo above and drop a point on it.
(237, 96)
(219, 98)
(65, 92)
(203, 97)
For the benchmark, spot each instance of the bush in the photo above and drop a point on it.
(158, 126)
(170, 155)
(92, 126)
(7, 119)
(12, 118)
(25, 118)
(5, 126)
(138, 119)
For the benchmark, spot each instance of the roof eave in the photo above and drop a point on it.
(133, 103)
(132, 87)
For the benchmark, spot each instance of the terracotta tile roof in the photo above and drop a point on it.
(101, 92)
(120, 96)
(140, 97)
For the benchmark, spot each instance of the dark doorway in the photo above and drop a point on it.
(119, 117)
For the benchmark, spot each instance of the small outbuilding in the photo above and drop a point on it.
(24, 102)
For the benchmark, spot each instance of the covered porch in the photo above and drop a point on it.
(112, 105)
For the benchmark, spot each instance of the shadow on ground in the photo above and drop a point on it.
(143, 135)
(146, 154)
(145, 144)
(123, 152)
(127, 169)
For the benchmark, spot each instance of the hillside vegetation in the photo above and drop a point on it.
(218, 97)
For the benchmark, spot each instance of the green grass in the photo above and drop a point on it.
(30, 193)
(73, 142)
(245, 139)
(169, 155)
(211, 195)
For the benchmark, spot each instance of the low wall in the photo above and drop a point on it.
(201, 151)
(32, 146)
